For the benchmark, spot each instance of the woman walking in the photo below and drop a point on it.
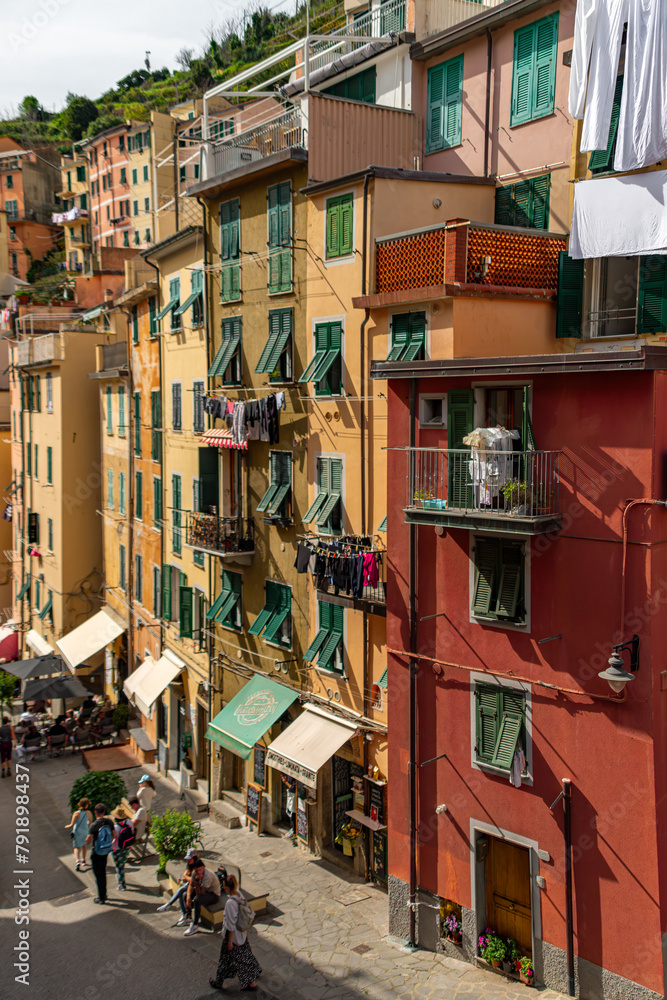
(6, 746)
(236, 957)
(123, 840)
(79, 825)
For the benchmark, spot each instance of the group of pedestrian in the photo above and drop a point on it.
(198, 886)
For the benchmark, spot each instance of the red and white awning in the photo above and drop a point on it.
(222, 439)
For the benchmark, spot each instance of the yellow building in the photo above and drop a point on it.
(73, 214)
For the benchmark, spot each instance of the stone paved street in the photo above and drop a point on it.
(311, 945)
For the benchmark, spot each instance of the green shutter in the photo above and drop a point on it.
(166, 592)
(316, 645)
(109, 410)
(157, 500)
(346, 222)
(601, 160)
(273, 217)
(570, 303)
(523, 201)
(263, 618)
(49, 464)
(417, 336)
(527, 433)
(486, 563)
(231, 338)
(321, 348)
(459, 423)
(282, 597)
(652, 297)
(152, 310)
(270, 346)
(185, 612)
(137, 424)
(335, 467)
(504, 213)
(323, 484)
(435, 122)
(271, 491)
(487, 722)
(509, 587)
(540, 208)
(506, 743)
(522, 74)
(333, 227)
(400, 336)
(139, 496)
(334, 637)
(546, 41)
(285, 213)
(453, 101)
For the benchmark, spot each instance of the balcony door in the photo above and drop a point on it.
(209, 483)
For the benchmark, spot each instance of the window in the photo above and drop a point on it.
(152, 316)
(601, 160)
(121, 568)
(340, 217)
(176, 539)
(534, 70)
(174, 298)
(147, 204)
(157, 591)
(392, 17)
(433, 411)
(525, 204)
(137, 237)
(230, 250)
(126, 238)
(157, 501)
(194, 299)
(15, 264)
(500, 714)
(198, 390)
(156, 425)
(139, 496)
(276, 358)
(110, 489)
(135, 207)
(227, 362)
(49, 526)
(280, 237)
(12, 210)
(134, 176)
(121, 493)
(121, 410)
(360, 87)
(273, 621)
(196, 170)
(12, 232)
(327, 645)
(408, 337)
(25, 590)
(135, 324)
(10, 181)
(49, 392)
(498, 580)
(146, 175)
(123, 175)
(226, 609)
(137, 424)
(444, 105)
(33, 529)
(28, 461)
(138, 142)
(185, 609)
(147, 235)
(181, 175)
(326, 509)
(176, 417)
(326, 367)
(80, 173)
(37, 397)
(104, 183)
(277, 501)
(138, 577)
(36, 461)
(38, 593)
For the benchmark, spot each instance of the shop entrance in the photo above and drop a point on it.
(202, 742)
(341, 785)
(508, 885)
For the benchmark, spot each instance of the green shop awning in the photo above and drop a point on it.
(250, 714)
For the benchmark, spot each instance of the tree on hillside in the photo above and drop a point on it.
(101, 124)
(184, 57)
(31, 109)
(78, 115)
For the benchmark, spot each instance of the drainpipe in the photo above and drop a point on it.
(131, 500)
(412, 708)
(162, 441)
(569, 921)
(487, 119)
(176, 182)
(207, 328)
(362, 479)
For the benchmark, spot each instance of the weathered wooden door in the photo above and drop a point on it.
(507, 876)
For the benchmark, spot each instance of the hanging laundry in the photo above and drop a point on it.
(605, 53)
(642, 128)
(263, 421)
(584, 31)
(518, 767)
(239, 431)
(280, 400)
(7, 513)
(252, 417)
(302, 559)
(213, 406)
(272, 418)
(371, 574)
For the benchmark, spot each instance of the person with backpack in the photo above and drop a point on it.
(203, 890)
(123, 840)
(100, 836)
(236, 957)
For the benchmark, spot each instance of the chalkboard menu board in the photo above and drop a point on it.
(253, 804)
(260, 763)
(376, 802)
(301, 816)
(380, 855)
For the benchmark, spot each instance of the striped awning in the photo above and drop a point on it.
(222, 439)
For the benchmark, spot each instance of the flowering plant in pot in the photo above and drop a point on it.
(495, 951)
(512, 956)
(483, 940)
(453, 928)
(526, 972)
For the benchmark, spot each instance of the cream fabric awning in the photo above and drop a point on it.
(146, 684)
(37, 644)
(89, 638)
(305, 746)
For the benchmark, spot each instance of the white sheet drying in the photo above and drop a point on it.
(605, 53)
(620, 216)
(584, 31)
(642, 128)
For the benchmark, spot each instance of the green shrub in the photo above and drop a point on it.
(98, 786)
(173, 834)
(120, 716)
(495, 950)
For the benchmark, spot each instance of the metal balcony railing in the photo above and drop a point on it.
(219, 535)
(438, 15)
(114, 356)
(380, 22)
(521, 484)
(47, 347)
(254, 144)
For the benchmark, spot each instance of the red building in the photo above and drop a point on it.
(514, 574)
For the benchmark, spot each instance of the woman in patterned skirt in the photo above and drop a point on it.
(236, 957)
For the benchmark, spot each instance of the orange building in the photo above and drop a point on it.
(28, 185)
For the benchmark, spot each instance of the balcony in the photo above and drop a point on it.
(373, 600)
(435, 16)
(231, 538)
(469, 256)
(273, 136)
(380, 22)
(80, 241)
(40, 350)
(514, 491)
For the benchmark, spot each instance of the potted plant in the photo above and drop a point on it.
(526, 972)
(483, 940)
(542, 498)
(495, 950)
(517, 495)
(512, 957)
(347, 839)
(453, 928)
(418, 498)
(173, 834)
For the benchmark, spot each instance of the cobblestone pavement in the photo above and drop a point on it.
(311, 945)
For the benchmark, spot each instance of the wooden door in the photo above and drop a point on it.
(507, 875)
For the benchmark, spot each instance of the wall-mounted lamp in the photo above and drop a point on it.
(616, 675)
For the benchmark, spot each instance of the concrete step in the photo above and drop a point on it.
(225, 815)
(235, 799)
(202, 786)
(196, 800)
(175, 776)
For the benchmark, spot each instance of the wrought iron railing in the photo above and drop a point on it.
(379, 22)
(516, 483)
(219, 535)
(272, 136)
